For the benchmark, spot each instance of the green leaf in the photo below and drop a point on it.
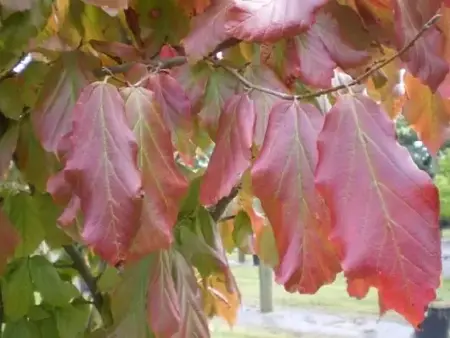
(48, 282)
(17, 291)
(128, 302)
(16, 96)
(71, 321)
(24, 214)
(109, 279)
(242, 228)
(49, 213)
(37, 312)
(190, 203)
(21, 329)
(48, 328)
(33, 161)
(268, 252)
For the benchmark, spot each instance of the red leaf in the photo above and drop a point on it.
(423, 58)
(232, 153)
(163, 308)
(164, 186)
(264, 102)
(208, 30)
(173, 101)
(283, 179)
(314, 55)
(270, 20)
(52, 117)
(9, 239)
(384, 210)
(102, 171)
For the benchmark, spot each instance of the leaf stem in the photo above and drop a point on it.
(217, 210)
(80, 265)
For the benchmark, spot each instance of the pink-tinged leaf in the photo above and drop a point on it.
(314, 55)
(173, 101)
(8, 144)
(207, 30)
(423, 58)
(102, 170)
(112, 4)
(164, 186)
(283, 179)
(194, 323)
(52, 116)
(263, 76)
(163, 308)
(384, 210)
(220, 88)
(232, 153)
(270, 20)
(9, 239)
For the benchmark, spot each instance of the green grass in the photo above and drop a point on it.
(330, 298)
(220, 330)
(445, 233)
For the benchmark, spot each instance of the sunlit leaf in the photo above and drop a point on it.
(388, 239)
(232, 154)
(102, 170)
(283, 179)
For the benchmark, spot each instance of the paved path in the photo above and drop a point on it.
(312, 321)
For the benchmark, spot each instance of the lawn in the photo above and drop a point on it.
(220, 330)
(330, 298)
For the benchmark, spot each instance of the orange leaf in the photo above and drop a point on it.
(283, 179)
(384, 210)
(164, 186)
(102, 171)
(428, 113)
(232, 154)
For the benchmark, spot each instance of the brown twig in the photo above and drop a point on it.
(226, 218)
(180, 60)
(80, 265)
(217, 210)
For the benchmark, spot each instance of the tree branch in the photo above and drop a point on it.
(80, 265)
(180, 60)
(217, 210)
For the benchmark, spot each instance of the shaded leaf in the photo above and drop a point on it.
(283, 179)
(9, 240)
(263, 76)
(314, 55)
(21, 329)
(23, 212)
(207, 30)
(52, 116)
(428, 113)
(389, 239)
(8, 144)
(194, 7)
(220, 87)
(195, 323)
(232, 153)
(113, 4)
(270, 20)
(49, 284)
(164, 186)
(71, 321)
(163, 308)
(17, 291)
(102, 171)
(242, 228)
(423, 58)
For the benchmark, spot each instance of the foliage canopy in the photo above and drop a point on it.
(147, 138)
